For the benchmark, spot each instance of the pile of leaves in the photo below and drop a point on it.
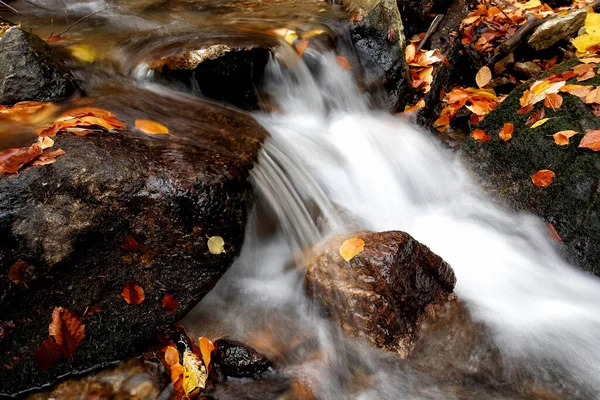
(421, 64)
(479, 102)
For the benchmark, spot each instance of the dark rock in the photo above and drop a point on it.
(528, 69)
(238, 360)
(379, 42)
(29, 70)
(384, 292)
(230, 75)
(68, 220)
(572, 202)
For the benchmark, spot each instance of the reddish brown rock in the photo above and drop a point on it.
(385, 291)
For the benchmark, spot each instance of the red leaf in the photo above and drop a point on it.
(130, 244)
(542, 178)
(536, 117)
(525, 110)
(591, 140)
(506, 131)
(169, 303)
(12, 160)
(47, 354)
(67, 329)
(132, 293)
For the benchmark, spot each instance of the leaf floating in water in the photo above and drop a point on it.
(67, 329)
(483, 77)
(562, 138)
(351, 247)
(151, 127)
(132, 293)
(83, 52)
(542, 178)
(343, 62)
(194, 376)
(169, 303)
(206, 349)
(47, 354)
(591, 140)
(216, 245)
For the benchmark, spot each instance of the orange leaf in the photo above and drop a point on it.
(47, 354)
(562, 138)
(177, 372)
(525, 110)
(576, 90)
(206, 348)
(593, 97)
(12, 160)
(480, 135)
(442, 123)
(67, 329)
(553, 233)
(151, 127)
(526, 98)
(343, 62)
(47, 157)
(169, 303)
(351, 247)
(506, 131)
(171, 355)
(132, 293)
(130, 244)
(591, 140)
(553, 101)
(301, 46)
(542, 178)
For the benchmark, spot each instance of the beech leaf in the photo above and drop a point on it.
(542, 178)
(171, 355)
(151, 127)
(351, 247)
(132, 293)
(194, 376)
(480, 135)
(67, 329)
(47, 354)
(562, 138)
(540, 122)
(483, 77)
(553, 101)
(216, 245)
(506, 131)
(206, 349)
(591, 140)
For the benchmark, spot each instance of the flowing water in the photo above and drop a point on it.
(335, 163)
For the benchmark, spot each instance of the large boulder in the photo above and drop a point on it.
(120, 207)
(29, 70)
(571, 203)
(384, 293)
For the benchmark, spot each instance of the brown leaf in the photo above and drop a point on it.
(591, 140)
(47, 354)
(483, 77)
(553, 101)
(206, 349)
(132, 293)
(67, 329)
(351, 247)
(169, 303)
(130, 244)
(553, 233)
(48, 157)
(593, 97)
(542, 178)
(480, 135)
(12, 160)
(525, 110)
(562, 138)
(506, 131)
(576, 90)
(536, 117)
(16, 273)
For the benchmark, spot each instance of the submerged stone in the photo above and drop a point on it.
(237, 360)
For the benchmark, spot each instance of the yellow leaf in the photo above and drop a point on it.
(540, 122)
(151, 127)
(351, 248)
(312, 33)
(83, 53)
(584, 42)
(194, 375)
(206, 348)
(529, 5)
(483, 77)
(592, 22)
(216, 245)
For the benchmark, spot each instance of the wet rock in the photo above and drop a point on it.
(528, 69)
(219, 72)
(29, 70)
(378, 38)
(556, 29)
(571, 204)
(385, 292)
(74, 221)
(238, 360)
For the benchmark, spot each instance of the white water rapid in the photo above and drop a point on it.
(334, 162)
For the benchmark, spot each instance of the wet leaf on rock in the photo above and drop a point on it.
(535, 117)
(194, 376)
(67, 329)
(553, 101)
(169, 303)
(206, 349)
(132, 293)
(216, 245)
(47, 354)
(12, 160)
(48, 157)
(591, 140)
(480, 135)
(542, 178)
(562, 138)
(553, 233)
(171, 355)
(151, 127)
(351, 247)
(540, 122)
(506, 131)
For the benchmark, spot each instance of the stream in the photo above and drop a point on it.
(335, 163)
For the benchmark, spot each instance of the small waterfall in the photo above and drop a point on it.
(333, 164)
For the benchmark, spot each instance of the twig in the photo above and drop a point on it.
(10, 7)
(432, 28)
(81, 19)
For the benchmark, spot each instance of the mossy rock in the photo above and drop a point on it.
(571, 202)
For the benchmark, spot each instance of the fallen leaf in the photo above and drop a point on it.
(130, 244)
(169, 303)
(442, 123)
(526, 98)
(171, 355)
(593, 97)
(536, 117)
(542, 178)
(577, 90)
(351, 247)
(6, 327)
(47, 354)
(506, 131)
(151, 127)
(301, 46)
(343, 62)
(177, 372)
(67, 329)
(12, 160)
(206, 349)
(540, 122)
(525, 110)
(562, 138)
(553, 233)
(194, 376)
(216, 245)
(592, 36)
(553, 101)
(83, 52)
(483, 77)
(132, 293)
(47, 157)
(591, 140)
(16, 273)
(480, 135)
(45, 142)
